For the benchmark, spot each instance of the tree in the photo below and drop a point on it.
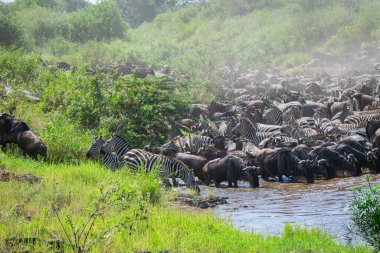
(9, 34)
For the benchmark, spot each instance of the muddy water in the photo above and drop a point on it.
(266, 210)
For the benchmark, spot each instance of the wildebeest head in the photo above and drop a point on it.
(306, 166)
(252, 175)
(5, 121)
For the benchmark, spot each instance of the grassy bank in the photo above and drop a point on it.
(65, 196)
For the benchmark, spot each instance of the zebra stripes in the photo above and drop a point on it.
(354, 119)
(195, 142)
(247, 130)
(116, 144)
(273, 116)
(167, 167)
(110, 160)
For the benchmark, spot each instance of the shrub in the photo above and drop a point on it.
(101, 22)
(365, 207)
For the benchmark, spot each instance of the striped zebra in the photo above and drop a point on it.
(319, 114)
(273, 116)
(342, 115)
(368, 112)
(361, 118)
(167, 167)
(195, 142)
(116, 144)
(268, 128)
(213, 129)
(292, 114)
(346, 128)
(242, 98)
(306, 122)
(110, 160)
(247, 130)
(169, 149)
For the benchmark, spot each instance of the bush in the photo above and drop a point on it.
(10, 33)
(101, 22)
(365, 207)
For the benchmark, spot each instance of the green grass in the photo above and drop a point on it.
(26, 211)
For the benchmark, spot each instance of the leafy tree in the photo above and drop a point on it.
(100, 22)
(10, 34)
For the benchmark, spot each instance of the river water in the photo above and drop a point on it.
(269, 208)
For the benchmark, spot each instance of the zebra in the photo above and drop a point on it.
(273, 116)
(110, 160)
(167, 167)
(292, 114)
(306, 122)
(248, 131)
(361, 118)
(169, 148)
(213, 129)
(116, 144)
(342, 115)
(242, 98)
(195, 142)
(268, 128)
(351, 126)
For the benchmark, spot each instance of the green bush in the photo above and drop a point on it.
(74, 104)
(365, 207)
(101, 22)
(10, 33)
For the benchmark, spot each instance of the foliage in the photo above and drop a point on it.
(73, 104)
(10, 34)
(26, 212)
(365, 207)
(83, 235)
(98, 22)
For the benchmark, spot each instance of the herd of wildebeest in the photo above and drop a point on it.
(277, 127)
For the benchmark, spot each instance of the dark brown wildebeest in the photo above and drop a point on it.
(283, 162)
(231, 169)
(17, 131)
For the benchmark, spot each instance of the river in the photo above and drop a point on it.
(269, 208)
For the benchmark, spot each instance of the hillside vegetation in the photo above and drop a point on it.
(198, 39)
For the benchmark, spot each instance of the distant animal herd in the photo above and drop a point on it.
(269, 126)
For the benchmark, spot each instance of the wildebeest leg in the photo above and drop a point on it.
(3, 147)
(235, 184)
(229, 183)
(217, 184)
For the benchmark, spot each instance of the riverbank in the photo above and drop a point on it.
(34, 211)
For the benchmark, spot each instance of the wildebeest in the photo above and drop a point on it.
(231, 169)
(282, 161)
(334, 162)
(17, 131)
(194, 162)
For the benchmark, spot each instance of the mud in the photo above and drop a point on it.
(199, 201)
(7, 176)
